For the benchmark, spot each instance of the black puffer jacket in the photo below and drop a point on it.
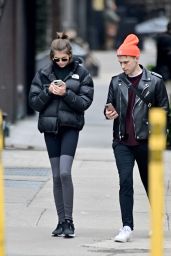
(68, 110)
(152, 88)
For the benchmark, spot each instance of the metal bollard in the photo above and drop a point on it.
(157, 143)
(2, 249)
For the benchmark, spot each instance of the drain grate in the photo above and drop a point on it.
(27, 171)
(26, 177)
(23, 184)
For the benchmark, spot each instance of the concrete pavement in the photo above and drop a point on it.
(30, 212)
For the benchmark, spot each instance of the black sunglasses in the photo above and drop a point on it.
(62, 59)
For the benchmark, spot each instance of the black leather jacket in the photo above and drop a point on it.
(68, 110)
(152, 88)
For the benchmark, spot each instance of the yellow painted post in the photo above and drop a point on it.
(157, 143)
(2, 249)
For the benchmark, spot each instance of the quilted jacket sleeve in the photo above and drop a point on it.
(39, 94)
(80, 102)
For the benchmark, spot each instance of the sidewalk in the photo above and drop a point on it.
(30, 212)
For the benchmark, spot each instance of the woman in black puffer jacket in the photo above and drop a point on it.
(61, 92)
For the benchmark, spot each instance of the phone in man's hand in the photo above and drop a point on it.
(110, 107)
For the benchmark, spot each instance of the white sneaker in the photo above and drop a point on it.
(124, 235)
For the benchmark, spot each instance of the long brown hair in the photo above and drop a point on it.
(61, 43)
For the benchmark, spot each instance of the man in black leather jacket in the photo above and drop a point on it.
(130, 96)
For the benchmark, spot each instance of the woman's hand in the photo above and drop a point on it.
(59, 89)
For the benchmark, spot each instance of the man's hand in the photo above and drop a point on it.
(111, 114)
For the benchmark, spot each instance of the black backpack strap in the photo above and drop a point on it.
(124, 79)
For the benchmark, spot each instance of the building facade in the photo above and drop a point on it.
(16, 57)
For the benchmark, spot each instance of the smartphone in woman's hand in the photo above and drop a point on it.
(57, 82)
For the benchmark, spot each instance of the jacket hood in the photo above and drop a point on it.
(78, 59)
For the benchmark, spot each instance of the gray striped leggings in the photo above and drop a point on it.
(61, 149)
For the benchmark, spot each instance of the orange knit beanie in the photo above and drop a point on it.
(129, 46)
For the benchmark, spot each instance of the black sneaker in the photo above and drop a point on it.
(69, 228)
(59, 230)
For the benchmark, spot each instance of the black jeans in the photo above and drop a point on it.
(125, 159)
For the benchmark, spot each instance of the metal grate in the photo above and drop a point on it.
(23, 184)
(27, 171)
(27, 177)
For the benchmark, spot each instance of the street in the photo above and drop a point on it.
(30, 212)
